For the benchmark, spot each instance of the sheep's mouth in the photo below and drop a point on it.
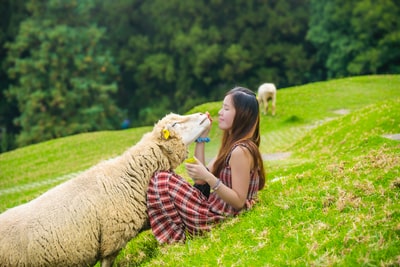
(203, 120)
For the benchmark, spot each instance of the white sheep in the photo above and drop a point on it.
(92, 216)
(267, 92)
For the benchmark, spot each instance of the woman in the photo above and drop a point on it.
(176, 208)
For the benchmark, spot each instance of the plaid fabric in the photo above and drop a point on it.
(219, 206)
(176, 208)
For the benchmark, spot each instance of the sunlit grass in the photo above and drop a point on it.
(333, 202)
(59, 157)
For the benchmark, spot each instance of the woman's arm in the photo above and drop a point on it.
(200, 156)
(241, 163)
(199, 152)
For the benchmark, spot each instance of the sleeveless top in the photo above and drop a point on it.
(219, 206)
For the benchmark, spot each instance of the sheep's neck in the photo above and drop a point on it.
(144, 162)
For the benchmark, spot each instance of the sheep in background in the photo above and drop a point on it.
(92, 216)
(266, 92)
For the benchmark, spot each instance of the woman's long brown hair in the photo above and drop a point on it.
(245, 130)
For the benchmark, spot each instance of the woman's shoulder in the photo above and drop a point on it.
(248, 144)
(240, 150)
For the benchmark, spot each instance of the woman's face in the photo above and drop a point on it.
(226, 114)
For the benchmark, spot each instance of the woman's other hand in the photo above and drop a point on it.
(197, 171)
(208, 129)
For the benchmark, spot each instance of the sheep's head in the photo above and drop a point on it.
(175, 132)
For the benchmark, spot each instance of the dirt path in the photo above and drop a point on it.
(34, 185)
(276, 156)
(277, 138)
(392, 136)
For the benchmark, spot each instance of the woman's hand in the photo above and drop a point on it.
(207, 130)
(198, 172)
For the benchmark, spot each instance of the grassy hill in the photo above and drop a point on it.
(333, 202)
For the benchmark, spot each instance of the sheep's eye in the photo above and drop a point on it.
(174, 124)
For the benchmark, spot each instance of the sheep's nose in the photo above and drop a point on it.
(209, 116)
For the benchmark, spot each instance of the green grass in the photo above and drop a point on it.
(334, 202)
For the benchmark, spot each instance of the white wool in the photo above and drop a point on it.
(92, 216)
(267, 92)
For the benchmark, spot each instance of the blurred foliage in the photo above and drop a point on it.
(71, 66)
(356, 37)
(64, 78)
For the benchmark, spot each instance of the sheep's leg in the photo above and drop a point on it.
(262, 107)
(273, 109)
(109, 260)
(265, 107)
(146, 226)
(273, 104)
(261, 103)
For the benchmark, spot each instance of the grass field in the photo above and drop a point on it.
(333, 202)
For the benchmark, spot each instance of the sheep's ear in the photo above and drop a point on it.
(165, 133)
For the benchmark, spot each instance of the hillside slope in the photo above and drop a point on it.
(333, 202)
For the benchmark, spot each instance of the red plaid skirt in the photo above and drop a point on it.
(176, 208)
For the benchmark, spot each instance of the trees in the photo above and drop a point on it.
(73, 65)
(11, 14)
(181, 53)
(64, 77)
(356, 37)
